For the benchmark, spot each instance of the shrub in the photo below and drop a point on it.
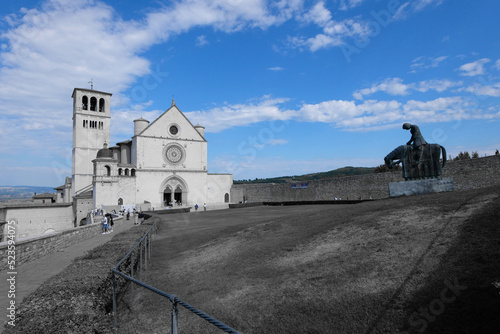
(79, 299)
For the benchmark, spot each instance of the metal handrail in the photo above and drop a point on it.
(147, 238)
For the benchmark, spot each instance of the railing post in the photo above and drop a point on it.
(114, 300)
(132, 283)
(175, 317)
(140, 261)
(145, 253)
(150, 239)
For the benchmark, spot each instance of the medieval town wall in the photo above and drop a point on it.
(466, 174)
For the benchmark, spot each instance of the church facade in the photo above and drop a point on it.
(163, 164)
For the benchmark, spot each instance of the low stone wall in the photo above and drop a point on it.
(33, 248)
(466, 174)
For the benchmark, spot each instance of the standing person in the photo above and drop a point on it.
(128, 214)
(104, 225)
(204, 206)
(111, 222)
(196, 207)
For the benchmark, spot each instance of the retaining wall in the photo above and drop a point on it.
(466, 174)
(30, 249)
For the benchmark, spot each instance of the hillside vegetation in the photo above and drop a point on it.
(344, 171)
(420, 264)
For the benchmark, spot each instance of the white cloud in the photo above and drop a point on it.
(328, 111)
(474, 68)
(414, 6)
(348, 4)
(318, 15)
(497, 64)
(485, 90)
(276, 69)
(201, 40)
(427, 62)
(395, 86)
(392, 86)
(437, 85)
(220, 118)
(370, 115)
(419, 5)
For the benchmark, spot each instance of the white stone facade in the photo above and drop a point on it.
(164, 163)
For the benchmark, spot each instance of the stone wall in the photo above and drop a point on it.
(30, 249)
(466, 174)
(37, 219)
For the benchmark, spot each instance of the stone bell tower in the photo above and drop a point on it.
(91, 129)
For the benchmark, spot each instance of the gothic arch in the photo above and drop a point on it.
(174, 189)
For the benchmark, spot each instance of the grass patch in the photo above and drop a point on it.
(364, 268)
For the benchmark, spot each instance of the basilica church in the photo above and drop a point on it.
(164, 164)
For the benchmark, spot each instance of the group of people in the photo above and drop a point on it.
(204, 207)
(107, 224)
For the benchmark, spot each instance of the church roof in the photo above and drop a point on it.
(89, 90)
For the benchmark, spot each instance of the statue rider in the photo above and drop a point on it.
(416, 141)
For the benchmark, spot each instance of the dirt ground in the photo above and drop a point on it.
(420, 264)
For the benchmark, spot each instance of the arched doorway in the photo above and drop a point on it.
(174, 191)
(172, 198)
(167, 196)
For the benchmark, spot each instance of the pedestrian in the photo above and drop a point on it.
(128, 214)
(104, 225)
(204, 206)
(196, 207)
(111, 222)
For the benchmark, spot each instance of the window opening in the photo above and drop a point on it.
(85, 102)
(93, 103)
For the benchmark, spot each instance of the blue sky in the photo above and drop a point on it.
(282, 87)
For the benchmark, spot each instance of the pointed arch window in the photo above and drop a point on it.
(226, 198)
(93, 103)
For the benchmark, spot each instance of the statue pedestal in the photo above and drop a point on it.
(418, 187)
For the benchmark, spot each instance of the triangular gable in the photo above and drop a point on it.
(173, 116)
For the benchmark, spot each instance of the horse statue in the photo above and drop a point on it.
(418, 162)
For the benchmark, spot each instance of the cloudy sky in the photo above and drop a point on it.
(283, 87)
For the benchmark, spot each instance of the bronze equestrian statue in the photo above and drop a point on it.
(419, 159)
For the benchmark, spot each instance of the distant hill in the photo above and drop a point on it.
(8, 193)
(344, 171)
